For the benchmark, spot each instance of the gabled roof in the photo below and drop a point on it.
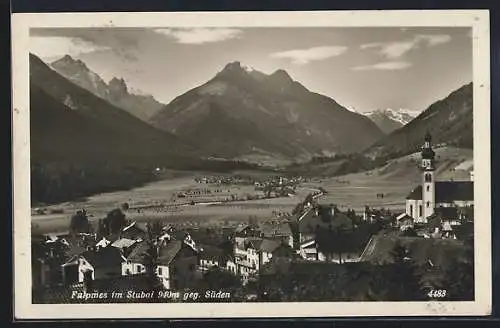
(447, 191)
(403, 216)
(447, 212)
(175, 248)
(123, 242)
(105, 257)
(311, 221)
(210, 252)
(180, 234)
(275, 229)
(241, 228)
(308, 243)
(138, 251)
(254, 243)
(133, 231)
(269, 245)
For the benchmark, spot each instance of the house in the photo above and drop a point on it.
(321, 217)
(210, 256)
(134, 262)
(448, 231)
(100, 264)
(102, 243)
(176, 264)
(308, 250)
(256, 252)
(185, 237)
(404, 222)
(450, 215)
(134, 232)
(422, 201)
(444, 222)
(279, 230)
(124, 244)
(231, 265)
(244, 231)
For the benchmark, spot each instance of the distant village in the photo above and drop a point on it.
(258, 260)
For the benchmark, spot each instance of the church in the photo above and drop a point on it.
(422, 201)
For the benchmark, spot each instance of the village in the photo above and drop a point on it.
(273, 260)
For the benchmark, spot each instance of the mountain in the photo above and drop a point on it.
(449, 121)
(81, 144)
(246, 114)
(389, 120)
(116, 91)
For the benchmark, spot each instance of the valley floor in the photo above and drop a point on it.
(221, 205)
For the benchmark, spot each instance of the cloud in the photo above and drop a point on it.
(433, 39)
(51, 47)
(388, 66)
(200, 35)
(397, 49)
(304, 56)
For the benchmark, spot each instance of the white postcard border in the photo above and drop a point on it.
(477, 19)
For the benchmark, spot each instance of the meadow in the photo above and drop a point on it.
(208, 205)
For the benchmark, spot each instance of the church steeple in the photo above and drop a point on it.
(428, 154)
(428, 183)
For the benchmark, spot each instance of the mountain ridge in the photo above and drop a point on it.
(264, 115)
(115, 91)
(449, 121)
(389, 119)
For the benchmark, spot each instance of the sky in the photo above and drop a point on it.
(363, 68)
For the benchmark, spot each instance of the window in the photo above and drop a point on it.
(428, 177)
(411, 209)
(428, 187)
(420, 210)
(138, 268)
(160, 271)
(428, 204)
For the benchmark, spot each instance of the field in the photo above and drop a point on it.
(201, 204)
(207, 205)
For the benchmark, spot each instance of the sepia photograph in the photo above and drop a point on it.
(210, 164)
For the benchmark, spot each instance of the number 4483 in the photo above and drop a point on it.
(437, 293)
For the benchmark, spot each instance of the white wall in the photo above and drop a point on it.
(83, 266)
(416, 206)
(164, 275)
(134, 268)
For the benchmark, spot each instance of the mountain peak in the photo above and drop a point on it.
(282, 75)
(67, 60)
(233, 66)
(118, 86)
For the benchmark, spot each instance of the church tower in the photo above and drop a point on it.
(428, 183)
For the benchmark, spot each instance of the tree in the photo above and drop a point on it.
(460, 275)
(79, 222)
(88, 281)
(218, 279)
(334, 240)
(410, 232)
(101, 229)
(402, 279)
(115, 221)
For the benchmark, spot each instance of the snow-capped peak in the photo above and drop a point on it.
(401, 115)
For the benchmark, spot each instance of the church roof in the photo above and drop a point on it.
(447, 191)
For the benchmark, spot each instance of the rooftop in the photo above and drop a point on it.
(447, 191)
